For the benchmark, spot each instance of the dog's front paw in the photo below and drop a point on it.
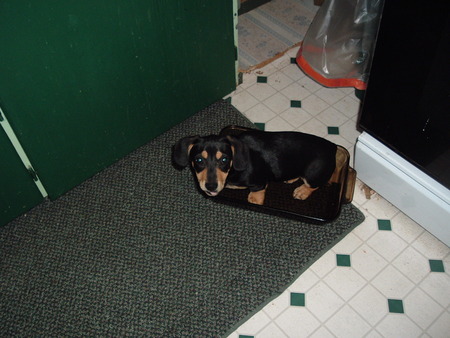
(257, 197)
(303, 192)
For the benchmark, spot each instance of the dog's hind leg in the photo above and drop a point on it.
(303, 192)
(292, 181)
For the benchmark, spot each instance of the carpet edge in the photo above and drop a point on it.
(295, 277)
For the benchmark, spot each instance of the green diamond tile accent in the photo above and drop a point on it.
(260, 126)
(297, 299)
(384, 224)
(343, 260)
(296, 104)
(261, 79)
(293, 61)
(436, 265)
(333, 130)
(395, 306)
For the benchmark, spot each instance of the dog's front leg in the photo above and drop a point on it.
(257, 197)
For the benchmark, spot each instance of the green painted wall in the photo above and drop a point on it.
(83, 83)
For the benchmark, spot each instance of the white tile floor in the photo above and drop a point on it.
(387, 278)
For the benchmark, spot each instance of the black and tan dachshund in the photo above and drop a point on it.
(254, 158)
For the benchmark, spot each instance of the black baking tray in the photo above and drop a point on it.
(324, 204)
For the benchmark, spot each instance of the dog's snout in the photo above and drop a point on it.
(211, 186)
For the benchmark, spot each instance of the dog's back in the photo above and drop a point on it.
(291, 155)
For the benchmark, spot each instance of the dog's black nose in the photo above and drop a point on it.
(211, 186)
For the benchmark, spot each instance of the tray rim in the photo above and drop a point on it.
(288, 213)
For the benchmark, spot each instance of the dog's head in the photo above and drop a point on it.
(212, 158)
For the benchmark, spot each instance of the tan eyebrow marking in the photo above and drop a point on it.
(219, 154)
(204, 154)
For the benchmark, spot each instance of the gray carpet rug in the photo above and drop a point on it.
(137, 250)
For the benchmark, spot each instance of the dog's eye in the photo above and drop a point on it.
(199, 160)
(224, 159)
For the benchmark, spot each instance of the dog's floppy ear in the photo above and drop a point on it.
(180, 153)
(241, 155)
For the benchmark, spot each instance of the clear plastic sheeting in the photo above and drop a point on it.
(338, 47)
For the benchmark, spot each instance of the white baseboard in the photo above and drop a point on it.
(416, 194)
